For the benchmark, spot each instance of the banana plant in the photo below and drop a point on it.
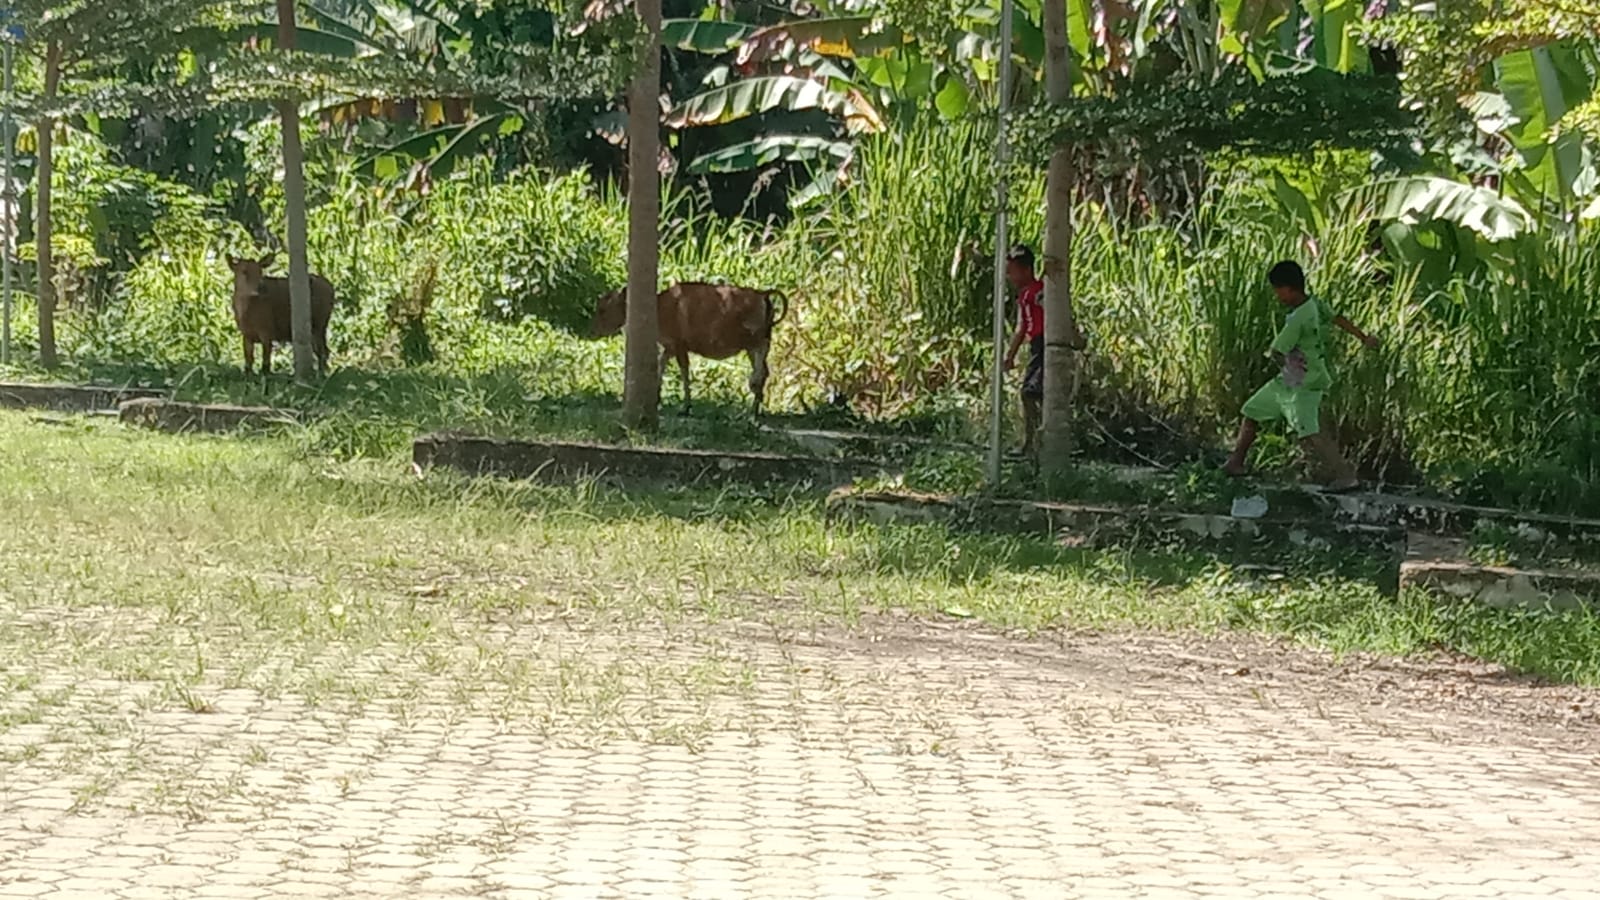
(474, 70)
(850, 60)
(808, 71)
(1521, 76)
(1548, 165)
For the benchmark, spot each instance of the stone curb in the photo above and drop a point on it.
(1093, 524)
(565, 461)
(69, 398)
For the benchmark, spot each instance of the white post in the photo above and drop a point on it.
(1002, 155)
(8, 196)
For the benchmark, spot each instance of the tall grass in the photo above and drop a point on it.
(899, 308)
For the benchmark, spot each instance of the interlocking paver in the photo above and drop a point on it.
(901, 761)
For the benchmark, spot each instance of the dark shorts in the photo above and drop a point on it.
(1033, 378)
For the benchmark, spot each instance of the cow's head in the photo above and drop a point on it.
(610, 315)
(248, 274)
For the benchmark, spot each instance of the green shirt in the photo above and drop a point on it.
(1305, 332)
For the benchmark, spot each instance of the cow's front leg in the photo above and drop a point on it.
(249, 357)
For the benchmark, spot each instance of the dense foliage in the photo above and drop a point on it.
(466, 200)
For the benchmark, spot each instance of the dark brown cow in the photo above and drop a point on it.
(714, 321)
(262, 311)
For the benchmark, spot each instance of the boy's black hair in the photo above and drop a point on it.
(1288, 274)
(1021, 253)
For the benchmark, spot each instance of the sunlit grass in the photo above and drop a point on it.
(209, 560)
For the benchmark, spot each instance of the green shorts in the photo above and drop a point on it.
(1301, 408)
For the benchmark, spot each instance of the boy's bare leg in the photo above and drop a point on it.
(1238, 463)
(1324, 448)
(1032, 421)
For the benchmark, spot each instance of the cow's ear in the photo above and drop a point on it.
(267, 260)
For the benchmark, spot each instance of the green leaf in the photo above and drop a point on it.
(754, 96)
(954, 99)
(417, 147)
(1080, 28)
(849, 37)
(1029, 37)
(905, 78)
(1245, 23)
(511, 125)
(1433, 250)
(1297, 203)
(469, 140)
(1415, 201)
(827, 181)
(307, 40)
(1557, 172)
(768, 150)
(702, 36)
(1491, 112)
(335, 23)
(1541, 86)
(1335, 35)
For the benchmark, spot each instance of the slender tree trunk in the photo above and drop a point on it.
(45, 226)
(641, 402)
(1061, 333)
(294, 192)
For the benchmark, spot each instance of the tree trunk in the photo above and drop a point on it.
(45, 225)
(1062, 339)
(294, 193)
(641, 401)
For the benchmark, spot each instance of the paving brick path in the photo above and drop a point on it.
(900, 760)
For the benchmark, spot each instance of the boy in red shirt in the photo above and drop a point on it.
(1020, 271)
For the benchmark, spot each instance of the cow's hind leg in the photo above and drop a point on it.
(266, 359)
(683, 373)
(758, 377)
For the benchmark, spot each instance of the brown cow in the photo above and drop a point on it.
(261, 310)
(714, 321)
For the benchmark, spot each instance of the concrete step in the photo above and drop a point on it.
(1458, 519)
(563, 461)
(1095, 525)
(1443, 566)
(826, 442)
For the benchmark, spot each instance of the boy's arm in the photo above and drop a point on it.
(1349, 327)
(1017, 340)
(1288, 338)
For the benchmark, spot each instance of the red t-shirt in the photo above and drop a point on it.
(1030, 302)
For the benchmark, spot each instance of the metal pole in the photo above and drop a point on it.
(9, 195)
(1002, 156)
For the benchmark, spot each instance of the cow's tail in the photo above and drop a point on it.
(777, 308)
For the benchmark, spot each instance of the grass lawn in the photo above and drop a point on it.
(200, 564)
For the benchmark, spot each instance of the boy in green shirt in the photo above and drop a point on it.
(1296, 395)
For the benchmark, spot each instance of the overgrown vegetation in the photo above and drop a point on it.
(1483, 387)
(470, 212)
